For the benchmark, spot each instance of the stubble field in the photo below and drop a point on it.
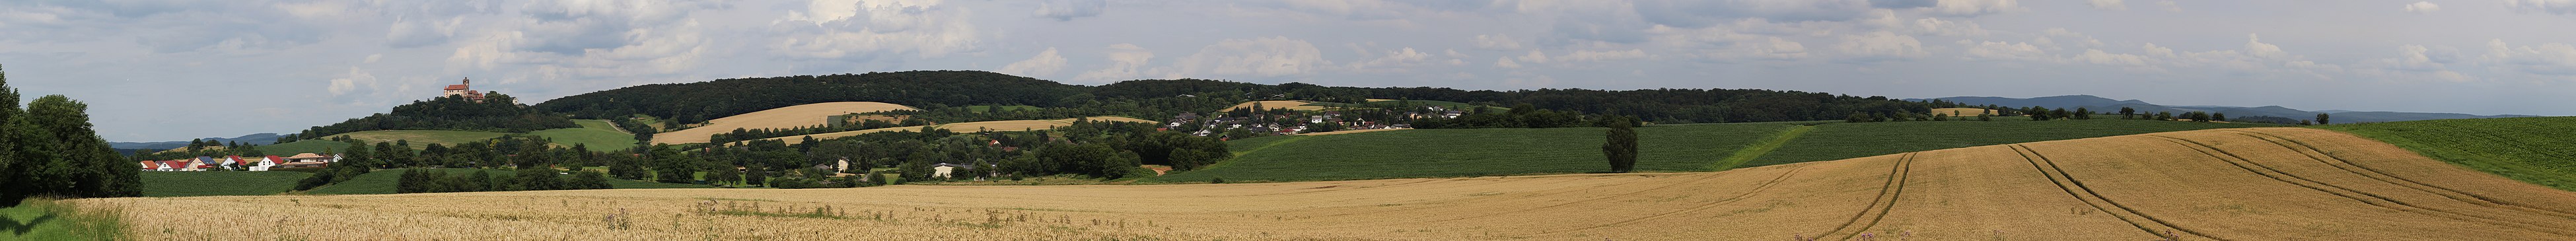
(2231, 184)
(806, 115)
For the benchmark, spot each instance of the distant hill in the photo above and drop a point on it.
(255, 139)
(2107, 105)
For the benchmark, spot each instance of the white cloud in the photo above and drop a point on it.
(350, 82)
(1976, 7)
(1594, 56)
(1506, 62)
(1393, 59)
(1497, 41)
(1535, 57)
(1045, 63)
(2169, 5)
(2113, 5)
(2423, 7)
(1780, 49)
(1938, 27)
(1126, 61)
(850, 29)
(1881, 45)
(2545, 6)
(2097, 56)
(1258, 57)
(1067, 10)
(2545, 59)
(2004, 51)
(2254, 45)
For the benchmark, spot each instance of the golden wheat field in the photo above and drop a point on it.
(2231, 184)
(1009, 125)
(1959, 112)
(805, 115)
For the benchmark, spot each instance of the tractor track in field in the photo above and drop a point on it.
(1766, 185)
(2349, 193)
(2320, 155)
(1886, 201)
(2076, 188)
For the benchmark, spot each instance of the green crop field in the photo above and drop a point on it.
(2538, 150)
(304, 146)
(1839, 141)
(382, 182)
(1661, 148)
(598, 135)
(424, 137)
(187, 184)
(1470, 152)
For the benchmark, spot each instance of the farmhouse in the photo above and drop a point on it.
(304, 160)
(945, 170)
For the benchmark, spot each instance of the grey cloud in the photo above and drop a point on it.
(1694, 14)
(1067, 10)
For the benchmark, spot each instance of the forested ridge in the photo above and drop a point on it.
(697, 102)
(496, 113)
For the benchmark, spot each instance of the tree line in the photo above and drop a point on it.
(496, 113)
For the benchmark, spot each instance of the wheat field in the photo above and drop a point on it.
(1008, 125)
(805, 115)
(1276, 104)
(2229, 184)
(1962, 112)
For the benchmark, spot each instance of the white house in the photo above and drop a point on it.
(263, 163)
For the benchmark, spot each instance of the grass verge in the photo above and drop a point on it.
(47, 219)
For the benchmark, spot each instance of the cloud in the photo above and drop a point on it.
(1534, 57)
(1699, 13)
(1596, 56)
(2564, 7)
(2004, 51)
(1497, 42)
(860, 30)
(1938, 27)
(1045, 63)
(2423, 7)
(2254, 45)
(2113, 5)
(1976, 7)
(2169, 6)
(2544, 59)
(1126, 61)
(1067, 10)
(1780, 49)
(1506, 62)
(1258, 57)
(1392, 59)
(1880, 46)
(350, 82)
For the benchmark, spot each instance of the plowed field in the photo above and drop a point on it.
(2232, 184)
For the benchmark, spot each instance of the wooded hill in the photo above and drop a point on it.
(687, 103)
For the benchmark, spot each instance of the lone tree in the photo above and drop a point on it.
(1621, 147)
(2128, 113)
(2321, 119)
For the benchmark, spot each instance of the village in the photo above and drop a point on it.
(240, 163)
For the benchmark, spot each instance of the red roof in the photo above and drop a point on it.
(455, 87)
(149, 165)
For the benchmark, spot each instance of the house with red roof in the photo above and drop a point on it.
(465, 89)
(151, 165)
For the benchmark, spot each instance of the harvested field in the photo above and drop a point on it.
(2231, 184)
(1344, 132)
(806, 115)
(1959, 112)
(1276, 104)
(1009, 125)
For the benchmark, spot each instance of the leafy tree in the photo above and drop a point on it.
(2321, 119)
(587, 180)
(2218, 117)
(537, 179)
(2128, 113)
(1621, 147)
(2083, 114)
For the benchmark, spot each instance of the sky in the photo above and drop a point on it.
(160, 70)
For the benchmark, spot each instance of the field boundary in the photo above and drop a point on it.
(1766, 185)
(2066, 182)
(2383, 202)
(1886, 200)
(1757, 150)
(2321, 156)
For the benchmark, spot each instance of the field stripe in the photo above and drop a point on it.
(2356, 195)
(1703, 177)
(2067, 182)
(1763, 148)
(1766, 185)
(1885, 202)
(2330, 159)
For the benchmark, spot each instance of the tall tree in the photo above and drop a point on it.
(1621, 147)
(2321, 119)
(2128, 113)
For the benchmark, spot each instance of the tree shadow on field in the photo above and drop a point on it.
(16, 228)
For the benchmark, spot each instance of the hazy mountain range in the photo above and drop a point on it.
(2107, 105)
(256, 139)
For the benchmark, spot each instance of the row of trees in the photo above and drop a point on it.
(495, 113)
(48, 149)
(435, 181)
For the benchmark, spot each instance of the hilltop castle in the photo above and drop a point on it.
(465, 89)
